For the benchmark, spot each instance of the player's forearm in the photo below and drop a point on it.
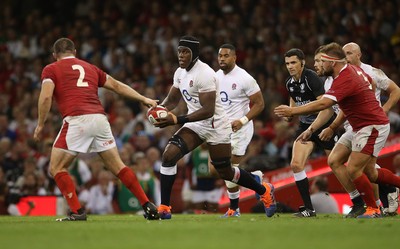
(170, 103)
(322, 118)
(128, 92)
(339, 120)
(44, 106)
(394, 97)
(309, 108)
(201, 114)
(255, 110)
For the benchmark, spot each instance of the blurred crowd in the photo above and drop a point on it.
(135, 42)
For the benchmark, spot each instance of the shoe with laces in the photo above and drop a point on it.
(258, 176)
(164, 212)
(268, 199)
(74, 217)
(393, 204)
(355, 211)
(150, 211)
(231, 213)
(305, 213)
(371, 213)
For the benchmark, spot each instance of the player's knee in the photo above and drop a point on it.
(223, 167)
(179, 142)
(230, 184)
(296, 166)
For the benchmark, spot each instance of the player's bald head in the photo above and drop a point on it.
(352, 46)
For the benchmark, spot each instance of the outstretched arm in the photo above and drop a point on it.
(126, 91)
(312, 107)
(322, 118)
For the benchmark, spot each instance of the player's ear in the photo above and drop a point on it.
(54, 56)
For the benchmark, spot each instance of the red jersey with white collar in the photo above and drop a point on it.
(351, 89)
(76, 86)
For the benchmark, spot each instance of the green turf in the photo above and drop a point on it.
(200, 231)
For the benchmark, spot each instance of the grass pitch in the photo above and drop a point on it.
(200, 231)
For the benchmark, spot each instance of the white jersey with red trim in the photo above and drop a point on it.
(199, 79)
(236, 87)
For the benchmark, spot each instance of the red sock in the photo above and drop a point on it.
(387, 177)
(364, 187)
(67, 188)
(129, 179)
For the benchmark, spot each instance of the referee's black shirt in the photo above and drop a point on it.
(307, 89)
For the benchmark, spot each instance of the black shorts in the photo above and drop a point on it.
(326, 145)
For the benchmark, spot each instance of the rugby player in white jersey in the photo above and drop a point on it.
(205, 121)
(237, 89)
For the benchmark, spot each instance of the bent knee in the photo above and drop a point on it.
(296, 166)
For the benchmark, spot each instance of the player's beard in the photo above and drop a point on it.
(328, 71)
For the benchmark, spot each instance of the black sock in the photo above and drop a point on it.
(303, 187)
(384, 190)
(166, 182)
(234, 203)
(358, 201)
(81, 210)
(247, 180)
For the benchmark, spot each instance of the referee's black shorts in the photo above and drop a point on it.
(326, 145)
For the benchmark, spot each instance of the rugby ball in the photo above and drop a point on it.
(156, 112)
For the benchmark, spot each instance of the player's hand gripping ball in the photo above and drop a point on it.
(156, 112)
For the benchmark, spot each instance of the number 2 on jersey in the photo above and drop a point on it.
(80, 82)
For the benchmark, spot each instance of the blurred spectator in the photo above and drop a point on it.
(80, 170)
(206, 189)
(125, 201)
(101, 194)
(320, 198)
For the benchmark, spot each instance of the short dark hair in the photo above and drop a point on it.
(335, 50)
(295, 52)
(228, 46)
(63, 45)
(319, 49)
(322, 183)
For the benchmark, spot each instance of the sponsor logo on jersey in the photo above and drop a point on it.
(191, 83)
(234, 86)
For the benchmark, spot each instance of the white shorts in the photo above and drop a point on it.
(371, 139)
(347, 138)
(213, 136)
(85, 133)
(241, 139)
(212, 196)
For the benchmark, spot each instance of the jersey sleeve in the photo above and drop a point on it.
(48, 73)
(102, 76)
(250, 87)
(381, 79)
(207, 81)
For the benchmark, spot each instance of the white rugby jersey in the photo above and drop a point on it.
(380, 78)
(327, 85)
(200, 78)
(235, 89)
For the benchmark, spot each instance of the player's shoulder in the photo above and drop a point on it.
(310, 73)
